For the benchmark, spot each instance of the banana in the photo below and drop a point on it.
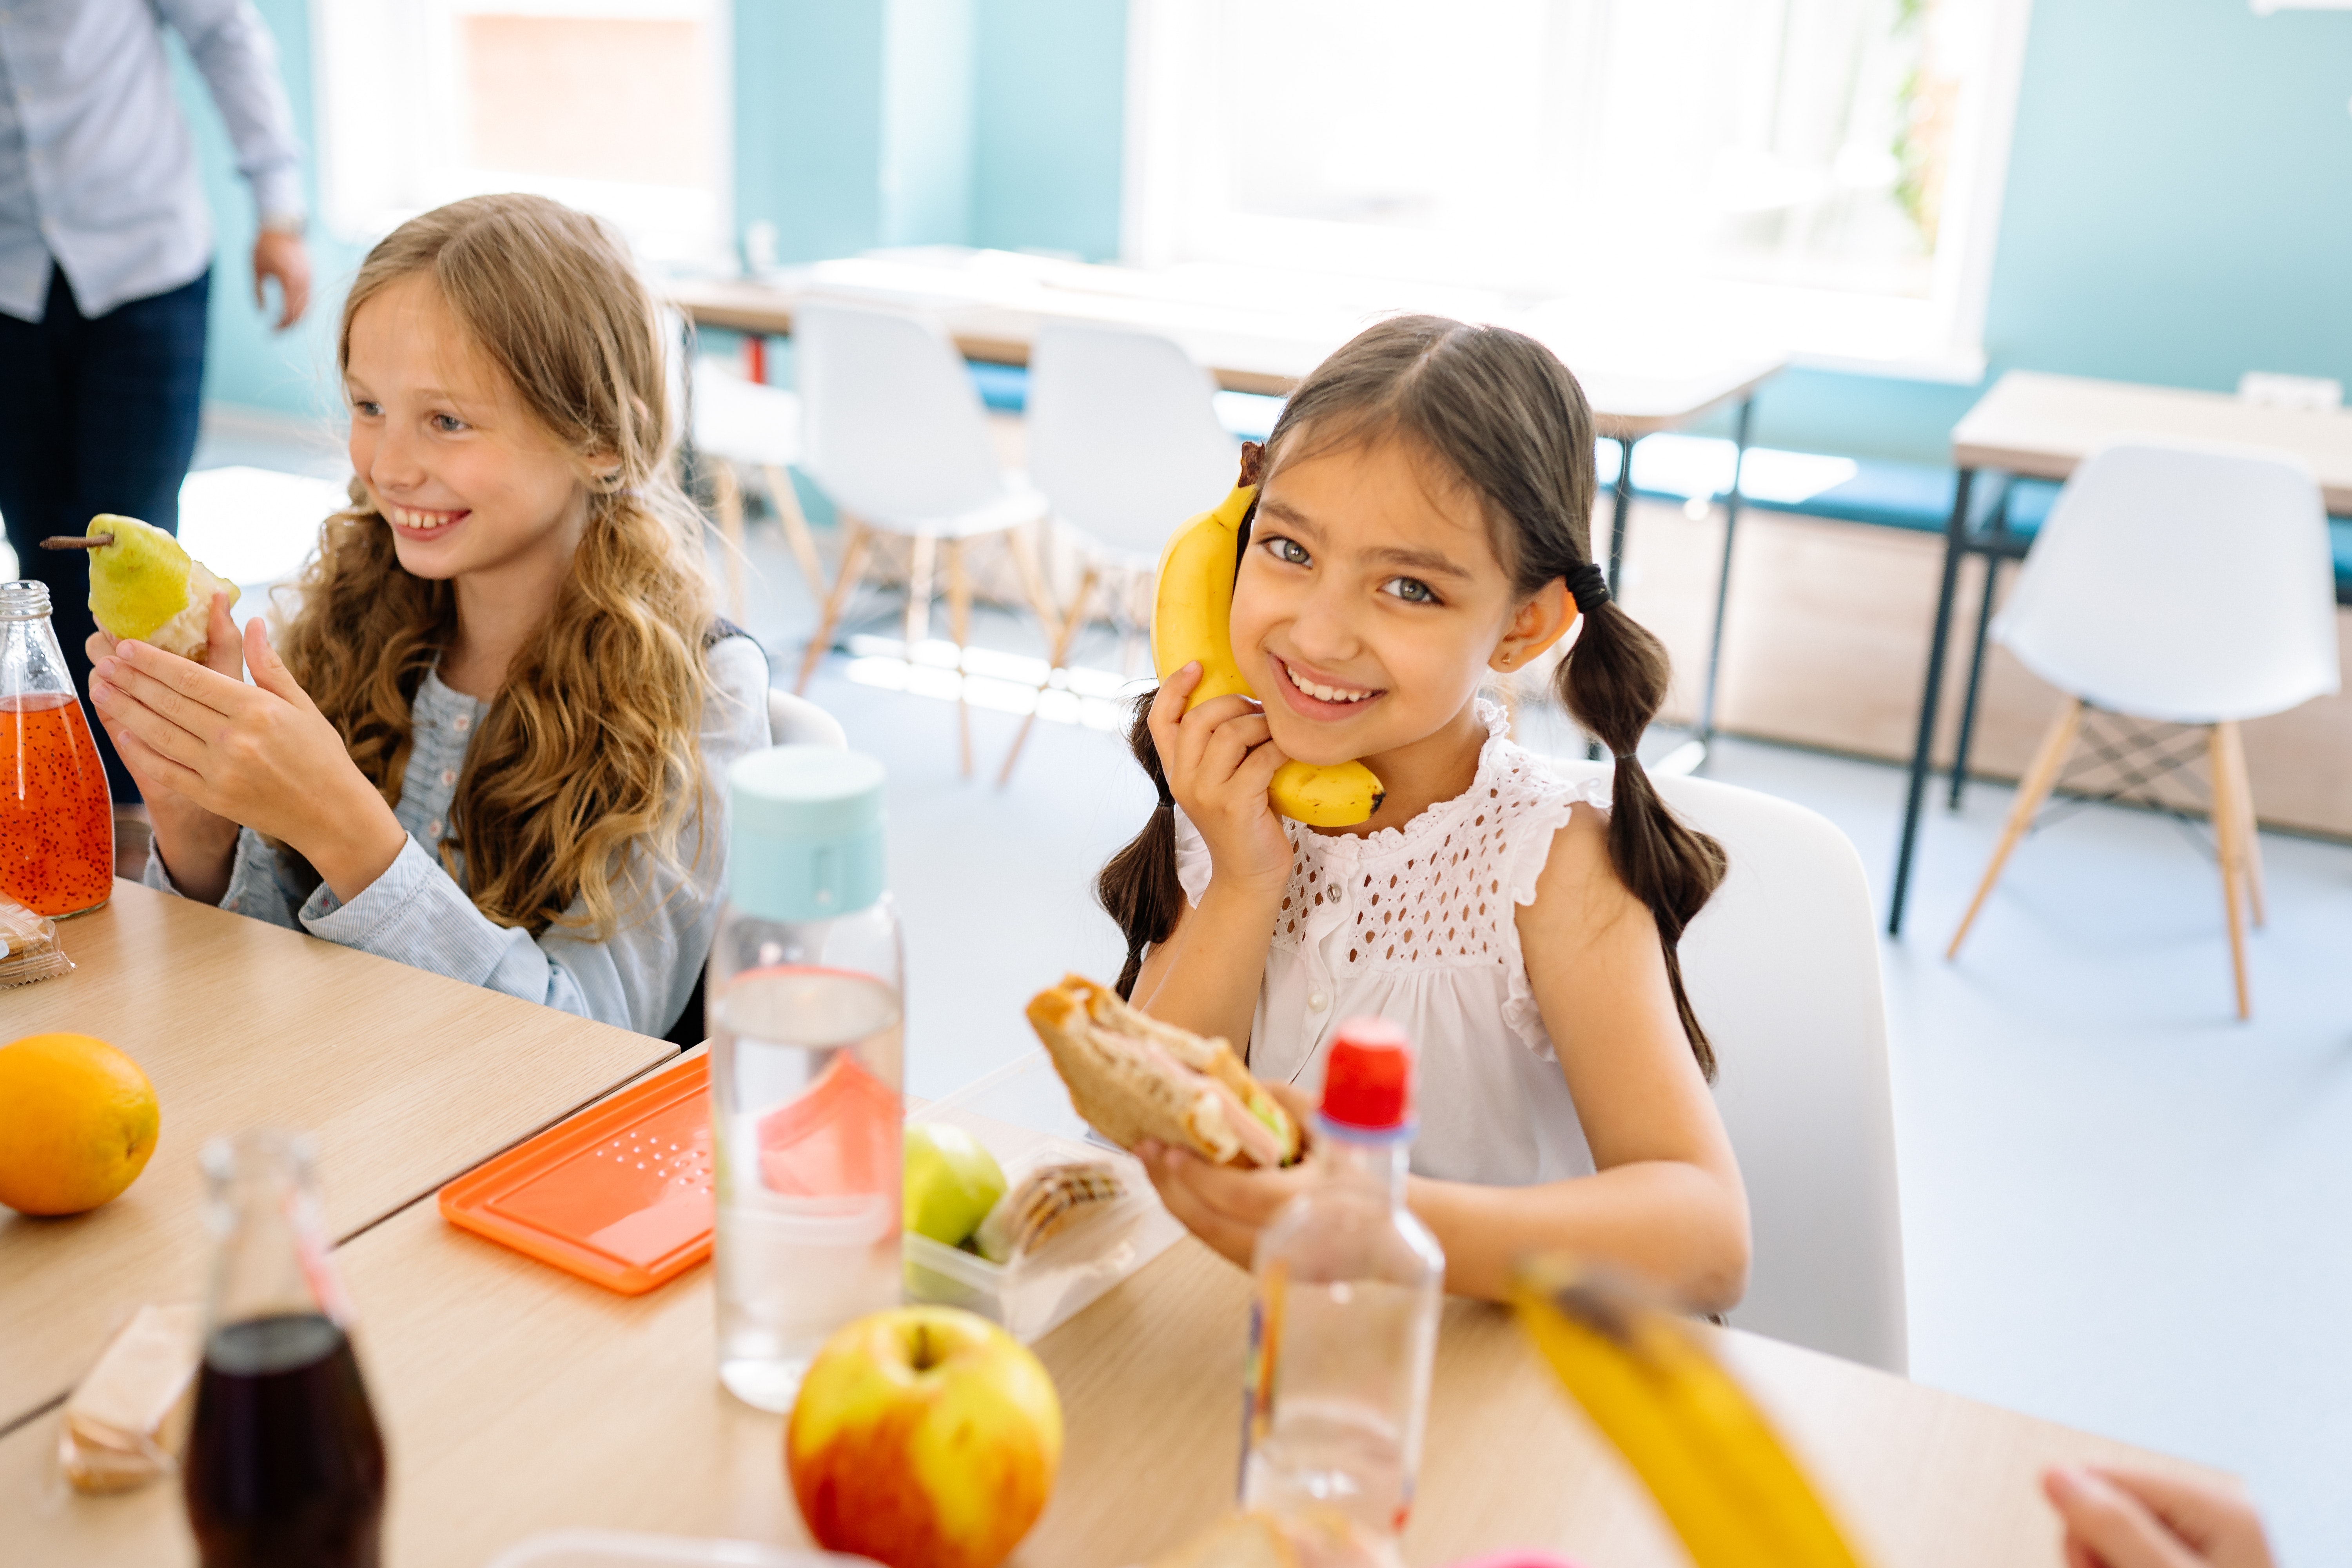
(1191, 619)
(1716, 1469)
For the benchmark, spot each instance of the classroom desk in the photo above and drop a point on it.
(516, 1399)
(2042, 426)
(1644, 367)
(405, 1078)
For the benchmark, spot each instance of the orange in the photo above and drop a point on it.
(78, 1120)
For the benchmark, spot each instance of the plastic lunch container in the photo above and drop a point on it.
(623, 1548)
(1022, 1114)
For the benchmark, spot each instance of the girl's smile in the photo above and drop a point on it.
(418, 523)
(1314, 695)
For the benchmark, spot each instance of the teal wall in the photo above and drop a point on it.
(2178, 207)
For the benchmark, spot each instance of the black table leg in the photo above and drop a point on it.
(1705, 730)
(1623, 504)
(1954, 545)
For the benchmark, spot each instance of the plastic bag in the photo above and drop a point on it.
(28, 946)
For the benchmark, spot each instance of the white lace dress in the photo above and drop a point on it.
(1416, 924)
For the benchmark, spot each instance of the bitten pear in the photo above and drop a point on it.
(146, 586)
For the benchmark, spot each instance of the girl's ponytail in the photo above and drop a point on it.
(1139, 888)
(1613, 683)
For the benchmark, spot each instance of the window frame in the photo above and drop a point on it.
(389, 38)
(1939, 337)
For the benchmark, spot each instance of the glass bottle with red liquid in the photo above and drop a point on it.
(285, 1466)
(56, 821)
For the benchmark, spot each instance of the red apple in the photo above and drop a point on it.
(923, 1438)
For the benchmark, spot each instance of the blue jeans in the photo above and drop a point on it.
(97, 414)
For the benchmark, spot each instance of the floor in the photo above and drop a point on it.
(2123, 1209)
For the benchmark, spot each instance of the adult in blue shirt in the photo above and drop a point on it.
(106, 263)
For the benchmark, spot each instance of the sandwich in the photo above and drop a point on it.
(1042, 1203)
(1134, 1078)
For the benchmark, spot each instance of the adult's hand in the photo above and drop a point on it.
(282, 256)
(2119, 1518)
(261, 754)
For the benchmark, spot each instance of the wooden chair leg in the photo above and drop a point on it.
(2031, 791)
(922, 581)
(858, 540)
(1019, 542)
(2250, 842)
(959, 626)
(794, 522)
(728, 495)
(1061, 641)
(2229, 831)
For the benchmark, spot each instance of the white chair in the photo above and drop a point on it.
(797, 721)
(1125, 441)
(2184, 584)
(741, 425)
(1782, 969)
(893, 431)
(737, 425)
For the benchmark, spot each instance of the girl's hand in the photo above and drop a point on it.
(261, 754)
(1220, 760)
(1227, 1205)
(2134, 1518)
(197, 845)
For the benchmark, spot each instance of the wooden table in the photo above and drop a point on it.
(403, 1078)
(516, 1399)
(2042, 427)
(1645, 366)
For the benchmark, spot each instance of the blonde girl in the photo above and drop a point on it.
(491, 744)
(1425, 518)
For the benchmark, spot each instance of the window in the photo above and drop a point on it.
(1825, 172)
(618, 107)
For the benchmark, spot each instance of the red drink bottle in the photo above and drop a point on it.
(57, 823)
(285, 1466)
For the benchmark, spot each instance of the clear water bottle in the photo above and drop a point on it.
(803, 1004)
(1344, 1321)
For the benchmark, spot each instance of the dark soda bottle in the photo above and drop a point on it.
(285, 1466)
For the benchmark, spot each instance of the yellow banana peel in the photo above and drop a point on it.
(1718, 1471)
(1192, 618)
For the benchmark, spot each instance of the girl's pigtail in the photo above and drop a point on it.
(1139, 888)
(1613, 683)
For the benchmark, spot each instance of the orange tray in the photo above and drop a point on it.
(619, 1194)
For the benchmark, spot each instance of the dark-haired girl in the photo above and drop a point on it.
(1423, 518)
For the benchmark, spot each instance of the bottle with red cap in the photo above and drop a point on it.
(1344, 1321)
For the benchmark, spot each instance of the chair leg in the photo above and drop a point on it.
(959, 626)
(2250, 841)
(1061, 641)
(787, 501)
(2228, 829)
(1018, 541)
(2031, 791)
(728, 494)
(853, 569)
(922, 581)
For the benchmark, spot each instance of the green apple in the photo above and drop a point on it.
(923, 1438)
(953, 1180)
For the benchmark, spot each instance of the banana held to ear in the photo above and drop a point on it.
(1191, 619)
(1716, 1466)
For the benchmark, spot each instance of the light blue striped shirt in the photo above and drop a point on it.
(639, 978)
(97, 166)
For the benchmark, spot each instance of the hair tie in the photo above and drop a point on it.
(1588, 585)
(1167, 801)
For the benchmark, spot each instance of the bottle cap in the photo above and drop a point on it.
(1367, 1079)
(806, 841)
